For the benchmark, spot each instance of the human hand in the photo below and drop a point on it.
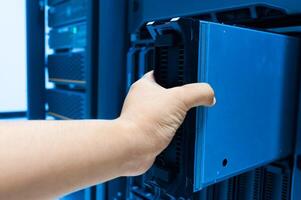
(152, 114)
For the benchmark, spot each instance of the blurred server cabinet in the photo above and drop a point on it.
(72, 64)
(89, 42)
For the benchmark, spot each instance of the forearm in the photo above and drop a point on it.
(48, 158)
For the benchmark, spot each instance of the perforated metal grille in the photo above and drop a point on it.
(248, 185)
(163, 65)
(276, 184)
(66, 104)
(231, 189)
(285, 187)
(257, 184)
(180, 66)
(68, 37)
(268, 186)
(242, 187)
(271, 182)
(171, 158)
(162, 69)
(67, 67)
(67, 12)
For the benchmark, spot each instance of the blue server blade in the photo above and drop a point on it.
(69, 37)
(66, 104)
(254, 75)
(67, 12)
(67, 67)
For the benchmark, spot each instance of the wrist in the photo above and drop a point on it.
(135, 160)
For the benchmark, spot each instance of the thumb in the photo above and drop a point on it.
(195, 94)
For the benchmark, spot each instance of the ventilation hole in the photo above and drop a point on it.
(225, 162)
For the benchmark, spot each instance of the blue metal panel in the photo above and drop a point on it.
(112, 57)
(92, 57)
(254, 75)
(113, 45)
(100, 192)
(35, 59)
(150, 10)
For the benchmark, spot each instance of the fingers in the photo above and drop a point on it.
(196, 94)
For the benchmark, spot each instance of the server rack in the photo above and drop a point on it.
(70, 57)
(189, 50)
(71, 65)
(127, 21)
(82, 65)
(270, 180)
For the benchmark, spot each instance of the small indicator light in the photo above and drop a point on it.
(74, 30)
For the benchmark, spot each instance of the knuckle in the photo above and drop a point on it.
(135, 85)
(208, 89)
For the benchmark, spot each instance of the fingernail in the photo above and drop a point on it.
(214, 101)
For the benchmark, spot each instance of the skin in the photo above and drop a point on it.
(46, 159)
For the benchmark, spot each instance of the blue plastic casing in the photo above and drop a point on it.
(254, 75)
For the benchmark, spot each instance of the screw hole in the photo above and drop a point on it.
(225, 162)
